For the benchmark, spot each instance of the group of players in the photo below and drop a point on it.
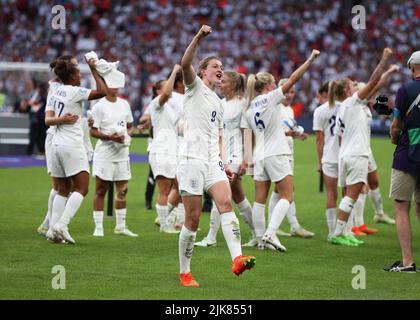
(204, 143)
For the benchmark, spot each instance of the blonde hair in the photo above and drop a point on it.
(239, 81)
(203, 65)
(257, 83)
(337, 90)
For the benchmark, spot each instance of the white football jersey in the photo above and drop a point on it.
(287, 113)
(232, 134)
(369, 118)
(202, 121)
(109, 118)
(352, 125)
(177, 100)
(164, 119)
(67, 99)
(325, 120)
(263, 117)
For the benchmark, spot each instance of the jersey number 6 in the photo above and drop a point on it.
(258, 122)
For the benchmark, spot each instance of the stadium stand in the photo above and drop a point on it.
(148, 37)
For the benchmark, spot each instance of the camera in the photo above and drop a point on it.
(381, 106)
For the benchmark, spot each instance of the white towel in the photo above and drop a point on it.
(108, 71)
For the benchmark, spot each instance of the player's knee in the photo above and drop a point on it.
(225, 204)
(346, 204)
(83, 191)
(192, 220)
(101, 191)
(122, 194)
(373, 185)
(165, 190)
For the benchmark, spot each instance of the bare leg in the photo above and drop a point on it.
(402, 221)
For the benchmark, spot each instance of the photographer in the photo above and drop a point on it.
(405, 176)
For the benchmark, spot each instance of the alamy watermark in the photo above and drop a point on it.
(59, 280)
(359, 280)
(59, 20)
(359, 20)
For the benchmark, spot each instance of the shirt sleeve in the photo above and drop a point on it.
(80, 94)
(275, 97)
(244, 121)
(50, 103)
(50, 98)
(129, 118)
(317, 126)
(97, 115)
(193, 86)
(401, 103)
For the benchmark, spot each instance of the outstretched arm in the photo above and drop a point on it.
(376, 76)
(169, 86)
(384, 79)
(299, 72)
(186, 62)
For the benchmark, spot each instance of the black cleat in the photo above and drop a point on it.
(148, 205)
(398, 266)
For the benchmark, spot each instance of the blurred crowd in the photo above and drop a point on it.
(149, 37)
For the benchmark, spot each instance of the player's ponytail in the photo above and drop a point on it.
(337, 91)
(241, 85)
(331, 93)
(250, 88)
(257, 83)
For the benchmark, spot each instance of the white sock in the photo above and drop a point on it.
(258, 219)
(214, 224)
(339, 228)
(180, 214)
(359, 210)
(245, 210)
(47, 219)
(73, 204)
(274, 198)
(186, 247)
(98, 217)
(291, 217)
(120, 216)
(162, 212)
(172, 217)
(170, 207)
(59, 204)
(232, 233)
(376, 198)
(279, 212)
(331, 214)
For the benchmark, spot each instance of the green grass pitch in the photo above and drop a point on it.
(116, 267)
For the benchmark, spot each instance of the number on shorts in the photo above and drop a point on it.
(221, 166)
(258, 122)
